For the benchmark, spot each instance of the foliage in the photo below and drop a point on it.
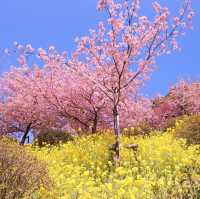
(142, 129)
(21, 174)
(52, 137)
(163, 167)
(189, 128)
(169, 123)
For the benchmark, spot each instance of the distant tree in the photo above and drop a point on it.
(182, 99)
(186, 96)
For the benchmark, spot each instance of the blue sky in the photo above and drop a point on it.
(57, 22)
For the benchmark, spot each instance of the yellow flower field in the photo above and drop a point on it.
(161, 168)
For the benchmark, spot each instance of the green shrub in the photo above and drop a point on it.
(21, 174)
(189, 128)
(169, 123)
(53, 137)
(142, 129)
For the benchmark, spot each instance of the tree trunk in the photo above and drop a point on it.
(117, 135)
(25, 134)
(94, 127)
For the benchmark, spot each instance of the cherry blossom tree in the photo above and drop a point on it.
(135, 112)
(186, 95)
(23, 107)
(35, 96)
(119, 56)
(163, 110)
(182, 98)
(74, 98)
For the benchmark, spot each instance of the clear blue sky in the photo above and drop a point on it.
(58, 22)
